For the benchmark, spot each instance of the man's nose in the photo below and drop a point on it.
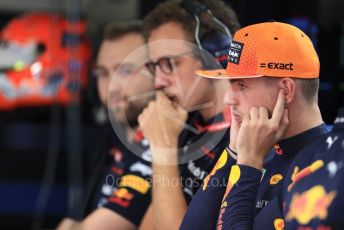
(115, 83)
(230, 97)
(162, 79)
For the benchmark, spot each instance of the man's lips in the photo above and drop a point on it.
(117, 102)
(237, 116)
(171, 97)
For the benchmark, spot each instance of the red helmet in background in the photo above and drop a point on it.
(43, 58)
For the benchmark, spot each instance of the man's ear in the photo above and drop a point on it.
(289, 87)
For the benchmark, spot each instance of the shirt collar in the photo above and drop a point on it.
(291, 146)
(219, 122)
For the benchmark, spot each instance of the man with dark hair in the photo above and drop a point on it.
(173, 40)
(124, 187)
(116, 30)
(173, 11)
(273, 71)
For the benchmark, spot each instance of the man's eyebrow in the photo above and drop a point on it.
(102, 67)
(235, 80)
(126, 64)
(99, 66)
(115, 66)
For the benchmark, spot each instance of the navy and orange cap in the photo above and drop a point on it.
(269, 49)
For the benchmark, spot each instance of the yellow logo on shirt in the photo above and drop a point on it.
(137, 183)
(275, 179)
(279, 224)
(123, 194)
(234, 176)
(219, 164)
(121, 197)
(310, 204)
(298, 175)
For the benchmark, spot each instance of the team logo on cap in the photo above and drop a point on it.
(235, 52)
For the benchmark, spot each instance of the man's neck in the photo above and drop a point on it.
(302, 118)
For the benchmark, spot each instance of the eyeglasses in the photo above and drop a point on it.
(166, 64)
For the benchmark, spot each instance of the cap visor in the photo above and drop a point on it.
(222, 74)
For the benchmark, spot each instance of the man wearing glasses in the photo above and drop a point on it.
(185, 124)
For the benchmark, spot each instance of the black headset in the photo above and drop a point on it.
(216, 42)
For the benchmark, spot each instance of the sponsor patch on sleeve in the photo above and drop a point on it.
(137, 183)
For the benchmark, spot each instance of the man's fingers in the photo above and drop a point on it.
(234, 125)
(246, 118)
(263, 113)
(279, 108)
(161, 98)
(181, 111)
(234, 129)
(254, 113)
(283, 125)
(142, 120)
(164, 128)
(146, 113)
(159, 94)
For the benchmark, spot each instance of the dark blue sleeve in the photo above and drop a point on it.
(238, 207)
(129, 203)
(204, 208)
(131, 192)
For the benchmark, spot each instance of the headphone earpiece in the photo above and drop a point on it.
(216, 42)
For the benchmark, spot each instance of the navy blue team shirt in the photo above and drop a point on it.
(314, 190)
(125, 183)
(204, 208)
(126, 186)
(247, 195)
(252, 200)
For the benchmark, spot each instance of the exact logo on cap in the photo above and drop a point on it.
(235, 52)
(275, 65)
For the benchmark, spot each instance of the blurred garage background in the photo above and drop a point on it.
(49, 149)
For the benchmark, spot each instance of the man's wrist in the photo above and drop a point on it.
(164, 155)
(232, 153)
(254, 162)
(171, 143)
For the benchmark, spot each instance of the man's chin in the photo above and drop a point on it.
(128, 114)
(118, 116)
(175, 101)
(238, 120)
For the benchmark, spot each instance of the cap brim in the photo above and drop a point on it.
(222, 74)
